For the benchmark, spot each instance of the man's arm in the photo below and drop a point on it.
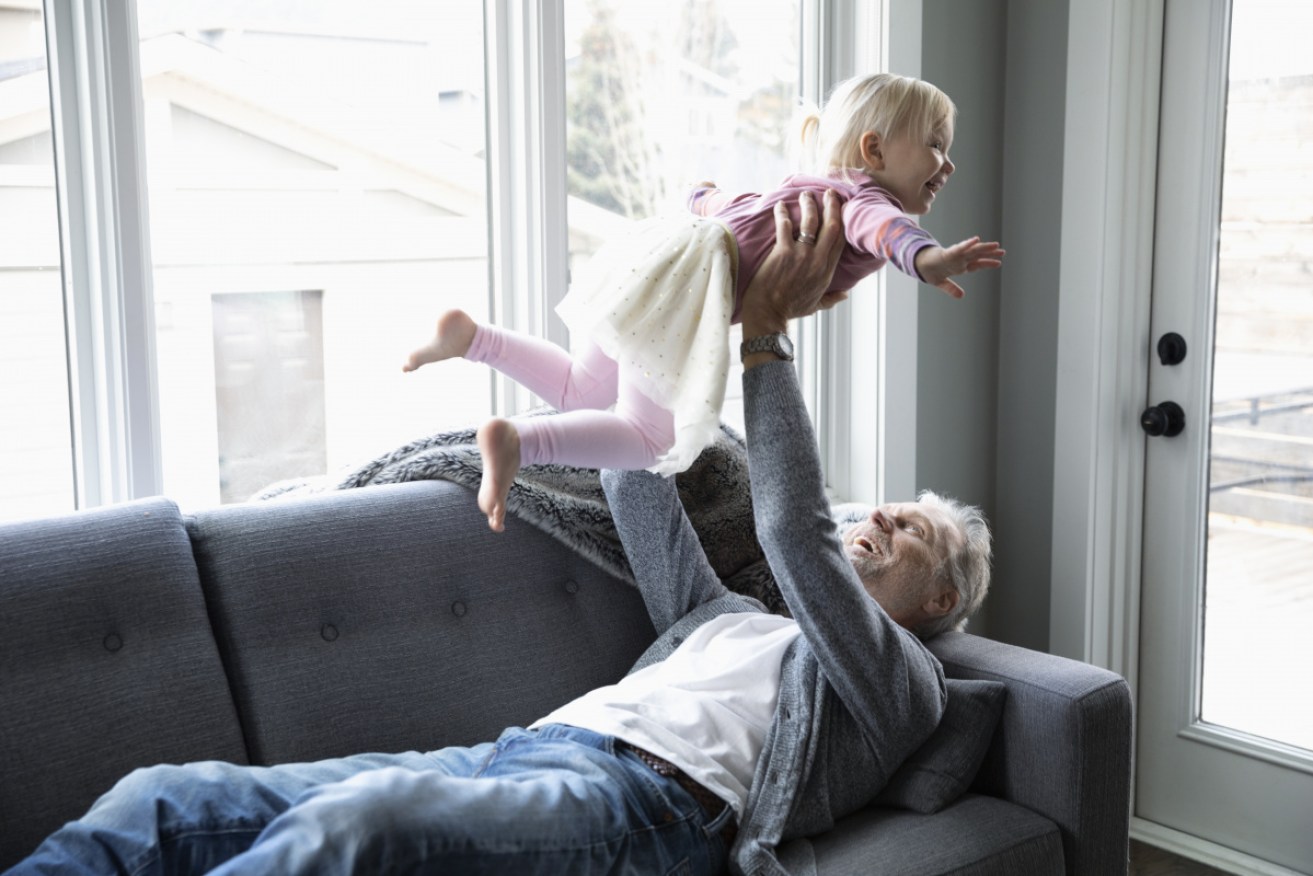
(888, 681)
(669, 565)
(886, 678)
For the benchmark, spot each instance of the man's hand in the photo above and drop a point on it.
(937, 264)
(791, 282)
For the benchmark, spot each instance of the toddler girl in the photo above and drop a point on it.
(656, 306)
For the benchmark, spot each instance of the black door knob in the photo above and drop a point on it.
(1171, 349)
(1165, 419)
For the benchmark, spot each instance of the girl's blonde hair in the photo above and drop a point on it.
(888, 104)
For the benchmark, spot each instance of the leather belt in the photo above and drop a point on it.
(711, 804)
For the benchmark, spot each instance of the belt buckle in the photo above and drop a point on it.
(709, 802)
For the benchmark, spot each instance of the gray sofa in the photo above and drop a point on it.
(390, 618)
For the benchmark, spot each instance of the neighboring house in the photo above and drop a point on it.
(300, 244)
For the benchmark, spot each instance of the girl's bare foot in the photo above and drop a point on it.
(499, 445)
(453, 338)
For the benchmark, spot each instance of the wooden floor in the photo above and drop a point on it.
(1149, 861)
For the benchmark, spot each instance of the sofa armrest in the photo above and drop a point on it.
(1063, 747)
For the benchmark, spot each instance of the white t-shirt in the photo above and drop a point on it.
(706, 708)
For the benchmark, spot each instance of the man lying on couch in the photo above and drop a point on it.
(737, 730)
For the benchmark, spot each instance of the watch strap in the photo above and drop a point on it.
(777, 343)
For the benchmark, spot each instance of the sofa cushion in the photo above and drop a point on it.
(976, 836)
(943, 768)
(107, 663)
(390, 618)
(1063, 718)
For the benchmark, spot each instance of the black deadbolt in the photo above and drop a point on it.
(1171, 349)
(1165, 419)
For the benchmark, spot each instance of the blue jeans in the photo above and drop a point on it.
(559, 800)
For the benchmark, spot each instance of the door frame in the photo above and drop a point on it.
(1110, 157)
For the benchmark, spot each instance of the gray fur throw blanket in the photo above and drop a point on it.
(568, 503)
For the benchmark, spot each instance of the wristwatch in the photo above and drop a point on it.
(778, 343)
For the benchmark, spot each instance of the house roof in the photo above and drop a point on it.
(296, 114)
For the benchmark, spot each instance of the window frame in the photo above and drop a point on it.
(97, 129)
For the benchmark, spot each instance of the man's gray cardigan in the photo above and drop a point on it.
(858, 693)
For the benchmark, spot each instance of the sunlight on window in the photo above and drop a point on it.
(36, 454)
(336, 150)
(1259, 603)
(325, 156)
(661, 96)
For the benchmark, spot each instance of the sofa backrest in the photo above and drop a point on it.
(390, 618)
(107, 663)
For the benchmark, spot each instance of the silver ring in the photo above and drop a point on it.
(804, 237)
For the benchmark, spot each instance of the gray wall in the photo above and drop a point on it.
(986, 365)
(963, 51)
(1034, 120)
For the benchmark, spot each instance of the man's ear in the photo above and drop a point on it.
(870, 146)
(942, 604)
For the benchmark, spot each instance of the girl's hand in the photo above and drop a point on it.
(937, 264)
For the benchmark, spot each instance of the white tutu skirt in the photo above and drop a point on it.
(658, 301)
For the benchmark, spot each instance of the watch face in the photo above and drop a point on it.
(779, 344)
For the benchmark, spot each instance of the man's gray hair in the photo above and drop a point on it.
(967, 567)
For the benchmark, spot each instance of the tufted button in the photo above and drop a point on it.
(677, 641)
(572, 587)
(112, 643)
(329, 632)
(458, 608)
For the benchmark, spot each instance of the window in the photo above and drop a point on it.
(660, 96)
(298, 190)
(36, 477)
(334, 147)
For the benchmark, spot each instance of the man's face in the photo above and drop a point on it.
(898, 552)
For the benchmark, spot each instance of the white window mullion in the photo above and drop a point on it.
(812, 343)
(848, 349)
(829, 47)
(554, 225)
(99, 156)
(526, 173)
(895, 431)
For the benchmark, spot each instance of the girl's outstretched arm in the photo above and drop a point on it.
(938, 265)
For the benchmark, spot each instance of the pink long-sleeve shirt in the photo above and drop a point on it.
(876, 228)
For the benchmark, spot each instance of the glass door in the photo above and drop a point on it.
(1259, 570)
(1225, 745)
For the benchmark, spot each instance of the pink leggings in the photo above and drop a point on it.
(586, 434)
